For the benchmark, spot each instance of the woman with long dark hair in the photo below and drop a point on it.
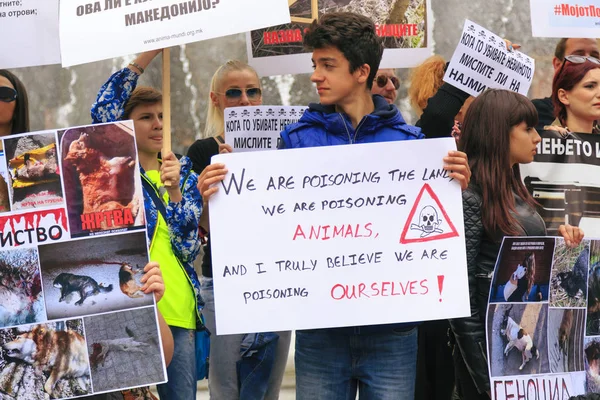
(498, 134)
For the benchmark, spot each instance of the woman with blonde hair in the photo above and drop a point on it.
(234, 84)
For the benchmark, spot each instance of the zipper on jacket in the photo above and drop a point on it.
(357, 128)
(346, 126)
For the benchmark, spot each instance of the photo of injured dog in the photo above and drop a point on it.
(517, 339)
(592, 365)
(593, 291)
(102, 179)
(21, 297)
(124, 349)
(45, 360)
(94, 275)
(33, 171)
(568, 283)
(522, 271)
(565, 338)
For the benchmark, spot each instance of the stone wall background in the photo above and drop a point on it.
(61, 97)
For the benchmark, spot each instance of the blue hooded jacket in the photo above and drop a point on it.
(323, 126)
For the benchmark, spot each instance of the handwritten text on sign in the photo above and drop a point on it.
(482, 61)
(315, 238)
(155, 24)
(257, 128)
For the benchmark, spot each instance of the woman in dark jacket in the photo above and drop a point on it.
(498, 135)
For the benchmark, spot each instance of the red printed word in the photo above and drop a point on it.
(533, 388)
(379, 289)
(326, 232)
(107, 219)
(283, 36)
(397, 30)
(577, 11)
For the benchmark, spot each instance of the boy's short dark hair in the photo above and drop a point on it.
(353, 35)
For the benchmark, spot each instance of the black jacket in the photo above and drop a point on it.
(482, 251)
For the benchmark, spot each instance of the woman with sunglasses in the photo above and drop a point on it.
(14, 106)
(386, 84)
(234, 84)
(172, 216)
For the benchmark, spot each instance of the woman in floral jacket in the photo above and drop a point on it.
(172, 213)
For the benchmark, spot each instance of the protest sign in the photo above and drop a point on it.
(257, 128)
(123, 27)
(482, 61)
(406, 29)
(63, 304)
(565, 19)
(564, 179)
(543, 319)
(30, 32)
(337, 236)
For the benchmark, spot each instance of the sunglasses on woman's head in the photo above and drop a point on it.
(7, 94)
(236, 94)
(382, 80)
(578, 60)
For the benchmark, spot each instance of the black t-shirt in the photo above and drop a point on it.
(200, 152)
(545, 111)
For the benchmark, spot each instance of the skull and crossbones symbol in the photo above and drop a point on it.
(428, 222)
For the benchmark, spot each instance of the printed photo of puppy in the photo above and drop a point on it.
(569, 275)
(21, 296)
(522, 271)
(102, 179)
(83, 277)
(43, 360)
(33, 172)
(517, 339)
(565, 337)
(592, 365)
(593, 291)
(124, 341)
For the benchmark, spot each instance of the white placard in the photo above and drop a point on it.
(30, 32)
(257, 128)
(567, 19)
(407, 38)
(98, 30)
(337, 236)
(482, 61)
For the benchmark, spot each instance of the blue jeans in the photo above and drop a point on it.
(181, 372)
(334, 366)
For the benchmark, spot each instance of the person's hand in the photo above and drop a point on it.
(572, 235)
(564, 132)
(152, 280)
(510, 46)
(170, 171)
(211, 175)
(457, 163)
(224, 148)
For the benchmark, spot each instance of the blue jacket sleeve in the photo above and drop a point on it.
(113, 95)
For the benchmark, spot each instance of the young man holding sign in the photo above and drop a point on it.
(377, 361)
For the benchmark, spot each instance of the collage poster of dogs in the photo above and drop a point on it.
(73, 247)
(543, 319)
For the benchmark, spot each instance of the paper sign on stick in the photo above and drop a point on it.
(482, 61)
(29, 29)
(257, 128)
(565, 19)
(129, 26)
(319, 245)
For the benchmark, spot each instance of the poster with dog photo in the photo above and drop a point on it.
(33, 171)
(94, 275)
(124, 341)
(102, 179)
(537, 336)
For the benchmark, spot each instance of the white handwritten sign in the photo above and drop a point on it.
(257, 128)
(337, 236)
(30, 32)
(132, 26)
(482, 61)
(567, 19)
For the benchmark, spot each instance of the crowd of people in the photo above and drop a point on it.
(496, 132)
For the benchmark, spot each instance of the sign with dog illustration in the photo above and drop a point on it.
(326, 236)
(543, 330)
(72, 312)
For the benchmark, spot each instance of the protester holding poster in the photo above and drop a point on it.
(173, 213)
(234, 84)
(498, 135)
(561, 178)
(386, 84)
